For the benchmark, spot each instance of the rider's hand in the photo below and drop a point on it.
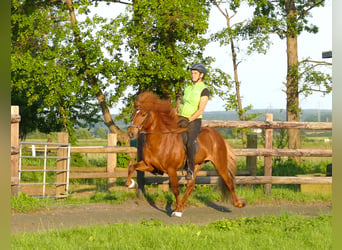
(183, 122)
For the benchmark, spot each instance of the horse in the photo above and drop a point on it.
(164, 150)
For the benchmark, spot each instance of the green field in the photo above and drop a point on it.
(286, 231)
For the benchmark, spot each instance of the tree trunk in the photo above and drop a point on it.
(92, 80)
(292, 94)
(239, 108)
(230, 37)
(108, 120)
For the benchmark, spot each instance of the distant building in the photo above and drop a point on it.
(327, 54)
(256, 130)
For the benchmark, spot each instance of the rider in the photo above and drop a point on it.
(194, 101)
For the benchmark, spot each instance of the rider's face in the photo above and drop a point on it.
(196, 75)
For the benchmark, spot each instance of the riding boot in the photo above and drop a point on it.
(189, 173)
(191, 162)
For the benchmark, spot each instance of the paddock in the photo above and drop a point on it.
(111, 172)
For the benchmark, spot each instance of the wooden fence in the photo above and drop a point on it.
(211, 177)
(15, 119)
(111, 172)
(268, 152)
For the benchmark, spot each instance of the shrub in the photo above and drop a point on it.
(77, 160)
(122, 160)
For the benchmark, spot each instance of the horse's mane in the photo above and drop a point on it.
(148, 101)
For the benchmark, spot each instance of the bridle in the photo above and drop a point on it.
(142, 125)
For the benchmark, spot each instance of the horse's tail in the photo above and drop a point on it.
(231, 169)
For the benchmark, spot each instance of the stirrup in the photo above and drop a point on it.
(189, 175)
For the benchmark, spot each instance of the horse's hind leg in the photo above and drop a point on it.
(229, 182)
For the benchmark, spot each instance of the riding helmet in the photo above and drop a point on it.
(200, 67)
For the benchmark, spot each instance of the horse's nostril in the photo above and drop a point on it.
(132, 135)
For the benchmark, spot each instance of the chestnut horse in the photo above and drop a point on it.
(164, 151)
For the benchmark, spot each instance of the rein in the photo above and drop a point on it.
(177, 131)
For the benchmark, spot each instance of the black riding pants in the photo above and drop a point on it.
(194, 129)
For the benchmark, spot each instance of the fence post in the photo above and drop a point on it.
(252, 142)
(62, 152)
(14, 149)
(111, 158)
(268, 159)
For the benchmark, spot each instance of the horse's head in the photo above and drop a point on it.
(139, 122)
(148, 105)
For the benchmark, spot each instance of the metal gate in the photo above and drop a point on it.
(43, 155)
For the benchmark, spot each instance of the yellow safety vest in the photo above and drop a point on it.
(191, 99)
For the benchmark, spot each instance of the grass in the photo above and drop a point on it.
(23, 203)
(286, 231)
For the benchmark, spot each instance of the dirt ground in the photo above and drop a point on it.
(68, 216)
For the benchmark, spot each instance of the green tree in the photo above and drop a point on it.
(288, 19)
(58, 65)
(100, 132)
(65, 72)
(83, 133)
(164, 38)
(232, 36)
(89, 48)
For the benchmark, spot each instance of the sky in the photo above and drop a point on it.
(262, 77)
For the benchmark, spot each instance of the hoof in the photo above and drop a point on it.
(176, 214)
(132, 185)
(240, 204)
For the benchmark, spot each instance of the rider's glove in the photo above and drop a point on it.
(183, 122)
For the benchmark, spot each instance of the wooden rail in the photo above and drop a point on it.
(237, 151)
(283, 152)
(89, 173)
(248, 180)
(268, 124)
(104, 149)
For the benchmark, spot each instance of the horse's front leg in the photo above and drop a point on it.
(141, 166)
(190, 185)
(175, 190)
